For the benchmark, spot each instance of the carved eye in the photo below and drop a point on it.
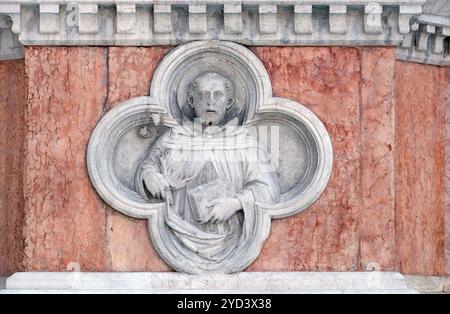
(230, 101)
(190, 99)
(218, 94)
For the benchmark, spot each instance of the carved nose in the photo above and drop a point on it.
(210, 100)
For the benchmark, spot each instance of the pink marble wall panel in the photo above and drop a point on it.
(377, 212)
(419, 173)
(447, 174)
(65, 220)
(383, 207)
(12, 127)
(325, 236)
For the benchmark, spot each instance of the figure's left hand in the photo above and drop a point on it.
(223, 208)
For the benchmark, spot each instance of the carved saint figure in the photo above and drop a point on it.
(213, 175)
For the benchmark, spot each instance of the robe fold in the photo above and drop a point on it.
(188, 158)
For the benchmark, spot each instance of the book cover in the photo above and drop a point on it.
(200, 197)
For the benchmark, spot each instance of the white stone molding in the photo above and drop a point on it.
(88, 18)
(303, 19)
(162, 18)
(419, 28)
(406, 13)
(372, 18)
(123, 136)
(197, 18)
(268, 19)
(338, 19)
(242, 283)
(10, 47)
(232, 18)
(49, 18)
(428, 40)
(168, 22)
(126, 18)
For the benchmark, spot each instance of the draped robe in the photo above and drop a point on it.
(188, 157)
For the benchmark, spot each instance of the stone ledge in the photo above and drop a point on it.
(234, 292)
(247, 282)
(429, 284)
(250, 22)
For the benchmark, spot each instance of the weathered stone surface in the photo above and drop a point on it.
(241, 283)
(322, 238)
(377, 216)
(429, 284)
(325, 236)
(348, 228)
(266, 22)
(12, 127)
(325, 80)
(419, 164)
(447, 174)
(129, 244)
(65, 220)
(131, 71)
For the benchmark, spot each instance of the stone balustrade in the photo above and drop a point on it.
(429, 36)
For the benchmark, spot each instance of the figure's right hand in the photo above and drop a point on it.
(158, 186)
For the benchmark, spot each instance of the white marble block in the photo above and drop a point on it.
(126, 18)
(197, 18)
(424, 36)
(232, 15)
(88, 18)
(268, 19)
(302, 19)
(242, 283)
(338, 19)
(406, 12)
(372, 18)
(162, 18)
(49, 18)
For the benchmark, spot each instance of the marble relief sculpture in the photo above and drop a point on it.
(213, 188)
(210, 157)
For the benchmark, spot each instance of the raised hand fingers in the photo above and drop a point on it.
(151, 187)
(216, 215)
(152, 190)
(211, 203)
(168, 195)
(214, 219)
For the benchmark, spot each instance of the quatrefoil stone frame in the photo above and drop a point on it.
(116, 145)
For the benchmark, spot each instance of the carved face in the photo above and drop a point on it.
(210, 98)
